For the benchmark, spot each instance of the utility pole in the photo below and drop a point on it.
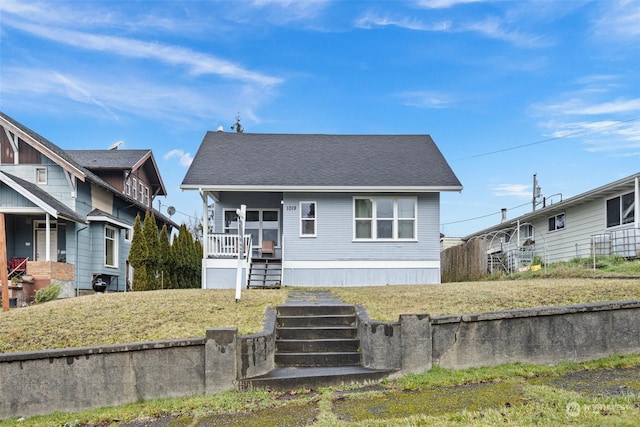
(3, 265)
(536, 191)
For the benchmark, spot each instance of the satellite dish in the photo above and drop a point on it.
(171, 210)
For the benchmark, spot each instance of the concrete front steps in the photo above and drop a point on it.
(316, 345)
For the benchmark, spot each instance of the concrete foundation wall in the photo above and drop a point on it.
(42, 382)
(541, 336)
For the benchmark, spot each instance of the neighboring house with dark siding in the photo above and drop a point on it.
(69, 212)
(338, 210)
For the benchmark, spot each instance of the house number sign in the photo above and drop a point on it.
(291, 207)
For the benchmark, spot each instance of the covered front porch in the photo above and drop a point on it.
(226, 257)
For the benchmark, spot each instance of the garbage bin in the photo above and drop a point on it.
(13, 302)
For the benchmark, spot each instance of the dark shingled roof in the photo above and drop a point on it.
(61, 209)
(108, 159)
(337, 161)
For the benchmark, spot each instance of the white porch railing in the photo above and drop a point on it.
(226, 246)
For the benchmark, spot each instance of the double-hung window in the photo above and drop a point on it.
(41, 175)
(620, 210)
(308, 219)
(384, 218)
(110, 247)
(556, 222)
(134, 189)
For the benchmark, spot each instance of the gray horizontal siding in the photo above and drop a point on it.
(334, 241)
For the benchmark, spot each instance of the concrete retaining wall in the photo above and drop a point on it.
(41, 382)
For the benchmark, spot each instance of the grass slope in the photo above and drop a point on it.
(156, 315)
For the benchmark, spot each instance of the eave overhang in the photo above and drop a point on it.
(321, 189)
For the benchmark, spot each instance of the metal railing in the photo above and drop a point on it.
(624, 243)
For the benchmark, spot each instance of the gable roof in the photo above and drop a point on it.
(39, 197)
(128, 160)
(317, 162)
(71, 165)
(602, 192)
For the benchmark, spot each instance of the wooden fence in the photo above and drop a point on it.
(466, 262)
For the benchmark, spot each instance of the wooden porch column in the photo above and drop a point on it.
(3, 265)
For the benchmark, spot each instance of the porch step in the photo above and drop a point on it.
(294, 378)
(316, 336)
(265, 273)
(319, 347)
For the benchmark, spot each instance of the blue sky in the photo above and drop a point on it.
(506, 89)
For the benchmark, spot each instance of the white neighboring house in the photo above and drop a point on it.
(321, 210)
(602, 221)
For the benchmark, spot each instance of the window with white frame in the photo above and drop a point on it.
(307, 219)
(261, 224)
(110, 246)
(621, 210)
(127, 186)
(384, 218)
(41, 175)
(146, 196)
(556, 222)
(134, 189)
(128, 232)
(141, 191)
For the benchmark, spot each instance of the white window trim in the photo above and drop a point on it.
(606, 218)
(115, 246)
(134, 188)
(314, 219)
(127, 186)
(37, 177)
(128, 234)
(146, 196)
(374, 238)
(226, 229)
(555, 217)
(141, 192)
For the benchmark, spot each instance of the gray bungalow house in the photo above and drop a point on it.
(601, 221)
(321, 210)
(69, 215)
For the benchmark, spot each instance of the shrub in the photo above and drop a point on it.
(48, 293)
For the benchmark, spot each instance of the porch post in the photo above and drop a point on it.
(637, 202)
(205, 239)
(47, 238)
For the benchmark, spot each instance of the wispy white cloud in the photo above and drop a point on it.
(290, 10)
(492, 27)
(581, 106)
(512, 190)
(198, 63)
(371, 20)
(618, 20)
(426, 99)
(134, 95)
(184, 158)
(442, 4)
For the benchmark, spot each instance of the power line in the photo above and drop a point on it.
(483, 216)
(579, 132)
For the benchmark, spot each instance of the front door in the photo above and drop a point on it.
(41, 243)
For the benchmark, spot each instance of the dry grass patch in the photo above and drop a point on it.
(157, 315)
(388, 302)
(133, 317)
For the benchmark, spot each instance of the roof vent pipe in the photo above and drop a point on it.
(504, 215)
(220, 129)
